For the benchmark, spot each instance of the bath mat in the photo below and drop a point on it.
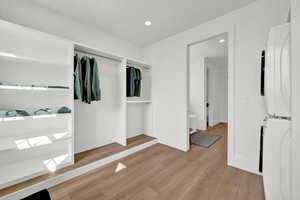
(204, 140)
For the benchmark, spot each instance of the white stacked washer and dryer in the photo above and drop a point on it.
(276, 90)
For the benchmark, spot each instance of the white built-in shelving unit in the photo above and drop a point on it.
(34, 145)
(139, 114)
(133, 115)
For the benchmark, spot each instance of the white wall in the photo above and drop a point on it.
(94, 124)
(135, 120)
(197, 91)
(296, 97)
(169, 60)
(217, 90)
(30, 15)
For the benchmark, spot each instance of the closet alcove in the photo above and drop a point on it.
(100, 123)
(116, 118)
(139, 109)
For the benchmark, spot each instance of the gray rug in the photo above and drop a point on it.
(204, 140)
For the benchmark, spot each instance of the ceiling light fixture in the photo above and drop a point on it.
(221, 41)
(148, 23)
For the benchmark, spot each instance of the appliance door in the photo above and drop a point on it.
(277, 160)
(277, 72)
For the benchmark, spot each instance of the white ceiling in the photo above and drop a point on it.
(211, 48)
(125, 18)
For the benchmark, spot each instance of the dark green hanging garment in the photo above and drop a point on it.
(130, 81)
(95, 83)
(86, 74)
(137, 82)
(78, 87)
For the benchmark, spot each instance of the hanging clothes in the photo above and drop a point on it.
(95, 84)
(86, 79)
(134, 77)
(86, 74)
(78, 88)
(130, 83)
(138, 80)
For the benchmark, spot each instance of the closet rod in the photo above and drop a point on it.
(98, 55)
(139, 67)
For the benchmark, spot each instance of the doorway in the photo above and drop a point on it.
(208, 83)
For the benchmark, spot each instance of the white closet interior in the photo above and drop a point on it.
(139, 109)
(30, 62)
(98, 124)
(36, 144)
(115, 117)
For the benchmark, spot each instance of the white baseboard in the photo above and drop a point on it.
(247, 170)
(74, 173)
(244, 164)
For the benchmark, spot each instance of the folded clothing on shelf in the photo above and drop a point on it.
(43, 111)
(64, 110)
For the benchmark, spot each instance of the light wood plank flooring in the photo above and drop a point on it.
(81, 159)
(162, 173)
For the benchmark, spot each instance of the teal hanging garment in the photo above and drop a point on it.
(95, 83)
(86, 74)
(130, 81)
(137, 83)
(78, 87)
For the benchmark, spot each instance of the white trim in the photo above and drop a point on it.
(247, 169)
(231, 139)
(139, 101)
(75, 172)
(138, 63)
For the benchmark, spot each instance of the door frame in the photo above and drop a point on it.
(231, 138)
(206, 95)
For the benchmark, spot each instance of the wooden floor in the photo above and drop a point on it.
(82, 159)
(162, 173)
(108, 150)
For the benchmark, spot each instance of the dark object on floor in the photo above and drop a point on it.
(204, 140)
(41, 195)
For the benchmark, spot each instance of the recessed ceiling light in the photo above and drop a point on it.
(221, 41)
(148, 23)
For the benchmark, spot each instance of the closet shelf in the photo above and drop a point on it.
(138, 101)
(28, 88)
(8, 58)
(28, 141)
(91, 50)
(31, 168)
(34, 117)
(138, 63)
